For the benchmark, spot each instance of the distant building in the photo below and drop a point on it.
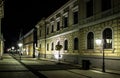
(29, 43)
(76, 26)
(1, 36)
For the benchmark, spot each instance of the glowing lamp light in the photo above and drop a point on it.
(13, 47)
(20, 44)
(98, 41)
(109, 40)
(57, 55)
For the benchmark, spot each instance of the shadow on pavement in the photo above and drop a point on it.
(51, 67)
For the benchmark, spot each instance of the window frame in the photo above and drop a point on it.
(90, 40)
(107, 34)
(76, 43)
(66, 45)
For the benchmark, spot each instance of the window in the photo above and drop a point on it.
(107, 38)
(40, 33)
(90, 40)
(52, 30)
(65, 21)
(75, 17)
(76, 44)
(89, 8)
(65, 45)
(52, 46)
(47, 46)
(106, 4)
(40, 46)
(47, 30)
(58, 25)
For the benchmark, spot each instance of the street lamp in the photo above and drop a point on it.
(20, 47)
(12, 49)
(101, 43)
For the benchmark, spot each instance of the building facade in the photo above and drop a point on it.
(76, 26)
(29, 43)
(1, 36)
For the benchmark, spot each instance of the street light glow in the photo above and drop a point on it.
(20, 44)
(98, 41)
(57, 55)
(13, 47)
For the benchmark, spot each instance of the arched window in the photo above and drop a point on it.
(76, 44)
(47, 46)
(52, 46)
(107, 38)
(66, 45)
(90, 40)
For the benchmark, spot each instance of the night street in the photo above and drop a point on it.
(12, 67)
(59, 38)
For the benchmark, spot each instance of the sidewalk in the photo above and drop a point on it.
(92, 73)
(77, 72)
(10, 68)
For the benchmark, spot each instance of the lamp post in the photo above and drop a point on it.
(101, 43)
(20, 46)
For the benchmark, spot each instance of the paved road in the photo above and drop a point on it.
(13, 67)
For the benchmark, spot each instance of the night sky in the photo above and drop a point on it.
(24, 15)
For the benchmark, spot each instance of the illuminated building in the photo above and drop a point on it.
(1, 36)
(29, 43)
(76, 26)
